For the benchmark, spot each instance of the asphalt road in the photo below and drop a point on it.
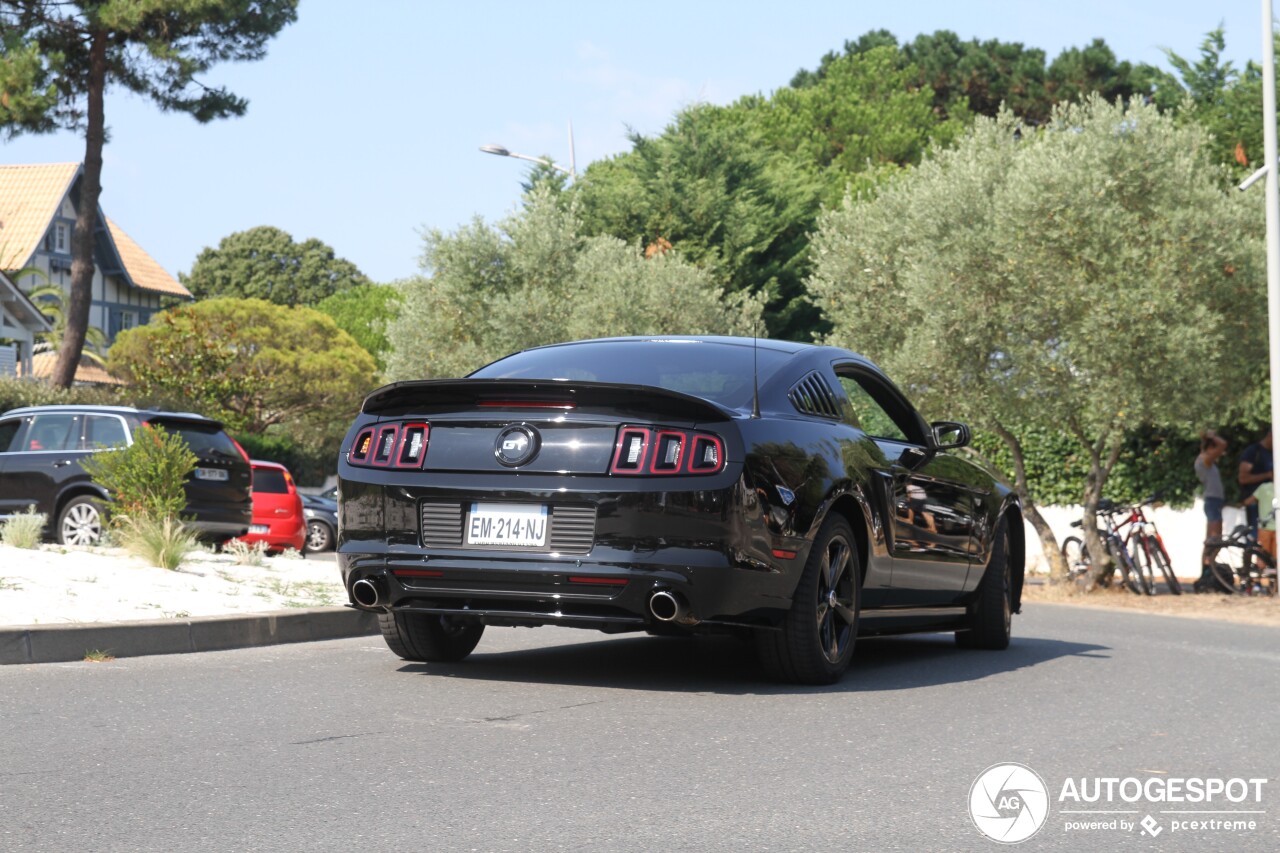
(554, 739)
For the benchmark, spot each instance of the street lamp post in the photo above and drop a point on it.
(503, 151)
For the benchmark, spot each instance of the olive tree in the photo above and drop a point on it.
(1087, 276)
(488, 291)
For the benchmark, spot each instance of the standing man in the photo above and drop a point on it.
(1212, 446)
(1255, 467)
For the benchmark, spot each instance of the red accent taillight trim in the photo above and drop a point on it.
(597, 581)
(404, 443)
(381, 441)
(623, 435)
(353, 456)
(702, 439)
(654, 466)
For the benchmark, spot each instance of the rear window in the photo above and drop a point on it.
(712, 370)
(270, 481)
(8, 431)
(203, 440)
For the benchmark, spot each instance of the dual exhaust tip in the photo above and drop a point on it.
(665, 605)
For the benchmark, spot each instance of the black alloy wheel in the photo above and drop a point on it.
(990, 619)
(817, 636)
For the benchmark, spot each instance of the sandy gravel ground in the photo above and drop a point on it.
(1232, 608)
(55, 585)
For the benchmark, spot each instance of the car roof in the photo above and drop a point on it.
(109, 410)
(723, 340)
(262, 463)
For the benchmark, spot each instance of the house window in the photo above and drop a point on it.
(128, 319)
(61, 229)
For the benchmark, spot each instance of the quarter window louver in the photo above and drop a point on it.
(812, 396)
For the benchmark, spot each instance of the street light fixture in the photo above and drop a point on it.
(503, 151)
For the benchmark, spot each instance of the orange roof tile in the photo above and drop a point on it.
(143, 269)
(29, 197)
(88, 373)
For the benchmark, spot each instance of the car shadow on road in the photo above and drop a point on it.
(727, 665)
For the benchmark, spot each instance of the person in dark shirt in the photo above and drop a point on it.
(1256, 467)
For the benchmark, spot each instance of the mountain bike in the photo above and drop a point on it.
(1145, 545)
(1240, 566)
(1079, 564)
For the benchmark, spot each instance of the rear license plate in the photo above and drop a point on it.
(211, 474)
(510, 525)
(259, 528)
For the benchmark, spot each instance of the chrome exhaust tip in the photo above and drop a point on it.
(667, 606)
(366, 593)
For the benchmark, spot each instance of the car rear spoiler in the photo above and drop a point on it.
(435, 396)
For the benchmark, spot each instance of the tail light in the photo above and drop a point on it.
(666, 452)
(390, 446)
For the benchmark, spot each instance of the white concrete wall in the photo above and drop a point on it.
(1181, 530)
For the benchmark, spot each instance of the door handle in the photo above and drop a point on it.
(62, 463)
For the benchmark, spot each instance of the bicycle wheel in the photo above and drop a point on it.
(1161, 560)
(1139, 582)
(1258, 574)
(1143, 566)
(1224, 573)
(1077, 557)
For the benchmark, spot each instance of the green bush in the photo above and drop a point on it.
(23, 529)
(309, 463)
(145, 479)
(15, 393)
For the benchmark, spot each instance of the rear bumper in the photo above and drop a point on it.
(612, 596)
(282, 534)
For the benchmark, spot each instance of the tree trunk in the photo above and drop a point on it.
(1103, 561)
(82, 238)
(1048, 542)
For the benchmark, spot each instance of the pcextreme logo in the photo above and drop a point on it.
(1008, 803)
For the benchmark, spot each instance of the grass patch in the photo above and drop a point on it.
(5, 583)
(245, 554)
(23, 529)
(98, 656)
(163, 542)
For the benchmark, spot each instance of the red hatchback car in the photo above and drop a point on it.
(277, 509)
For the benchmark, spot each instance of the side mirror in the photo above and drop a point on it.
(948, 435)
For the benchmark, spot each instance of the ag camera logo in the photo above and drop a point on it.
(1008, 803)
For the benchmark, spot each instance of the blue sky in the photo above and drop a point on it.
(364, 127)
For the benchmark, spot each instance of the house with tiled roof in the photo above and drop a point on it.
(38, 206)
(21, 325)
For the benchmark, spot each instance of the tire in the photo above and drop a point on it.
(990, 617)
(1224, 575)
(816, 638)
(81, 521)
(319, 537)
(1142, 571)
(1161, 559)
(1077, 557)
(429, 638)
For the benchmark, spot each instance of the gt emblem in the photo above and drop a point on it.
(516, 445)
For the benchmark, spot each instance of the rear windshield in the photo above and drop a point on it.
(715, 371)
(270, 481)
(204, 441)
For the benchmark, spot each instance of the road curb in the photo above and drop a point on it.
(54, 643)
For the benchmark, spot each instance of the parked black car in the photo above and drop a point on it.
(321, 514)
(673, 485)
(41, 448)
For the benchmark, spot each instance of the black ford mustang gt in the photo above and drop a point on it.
(673, 485)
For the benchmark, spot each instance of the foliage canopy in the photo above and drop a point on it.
(265, 263)
(533, 279)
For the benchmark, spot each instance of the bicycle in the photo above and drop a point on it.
(1076, 553)
(1145, 545)
(1240, 566)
